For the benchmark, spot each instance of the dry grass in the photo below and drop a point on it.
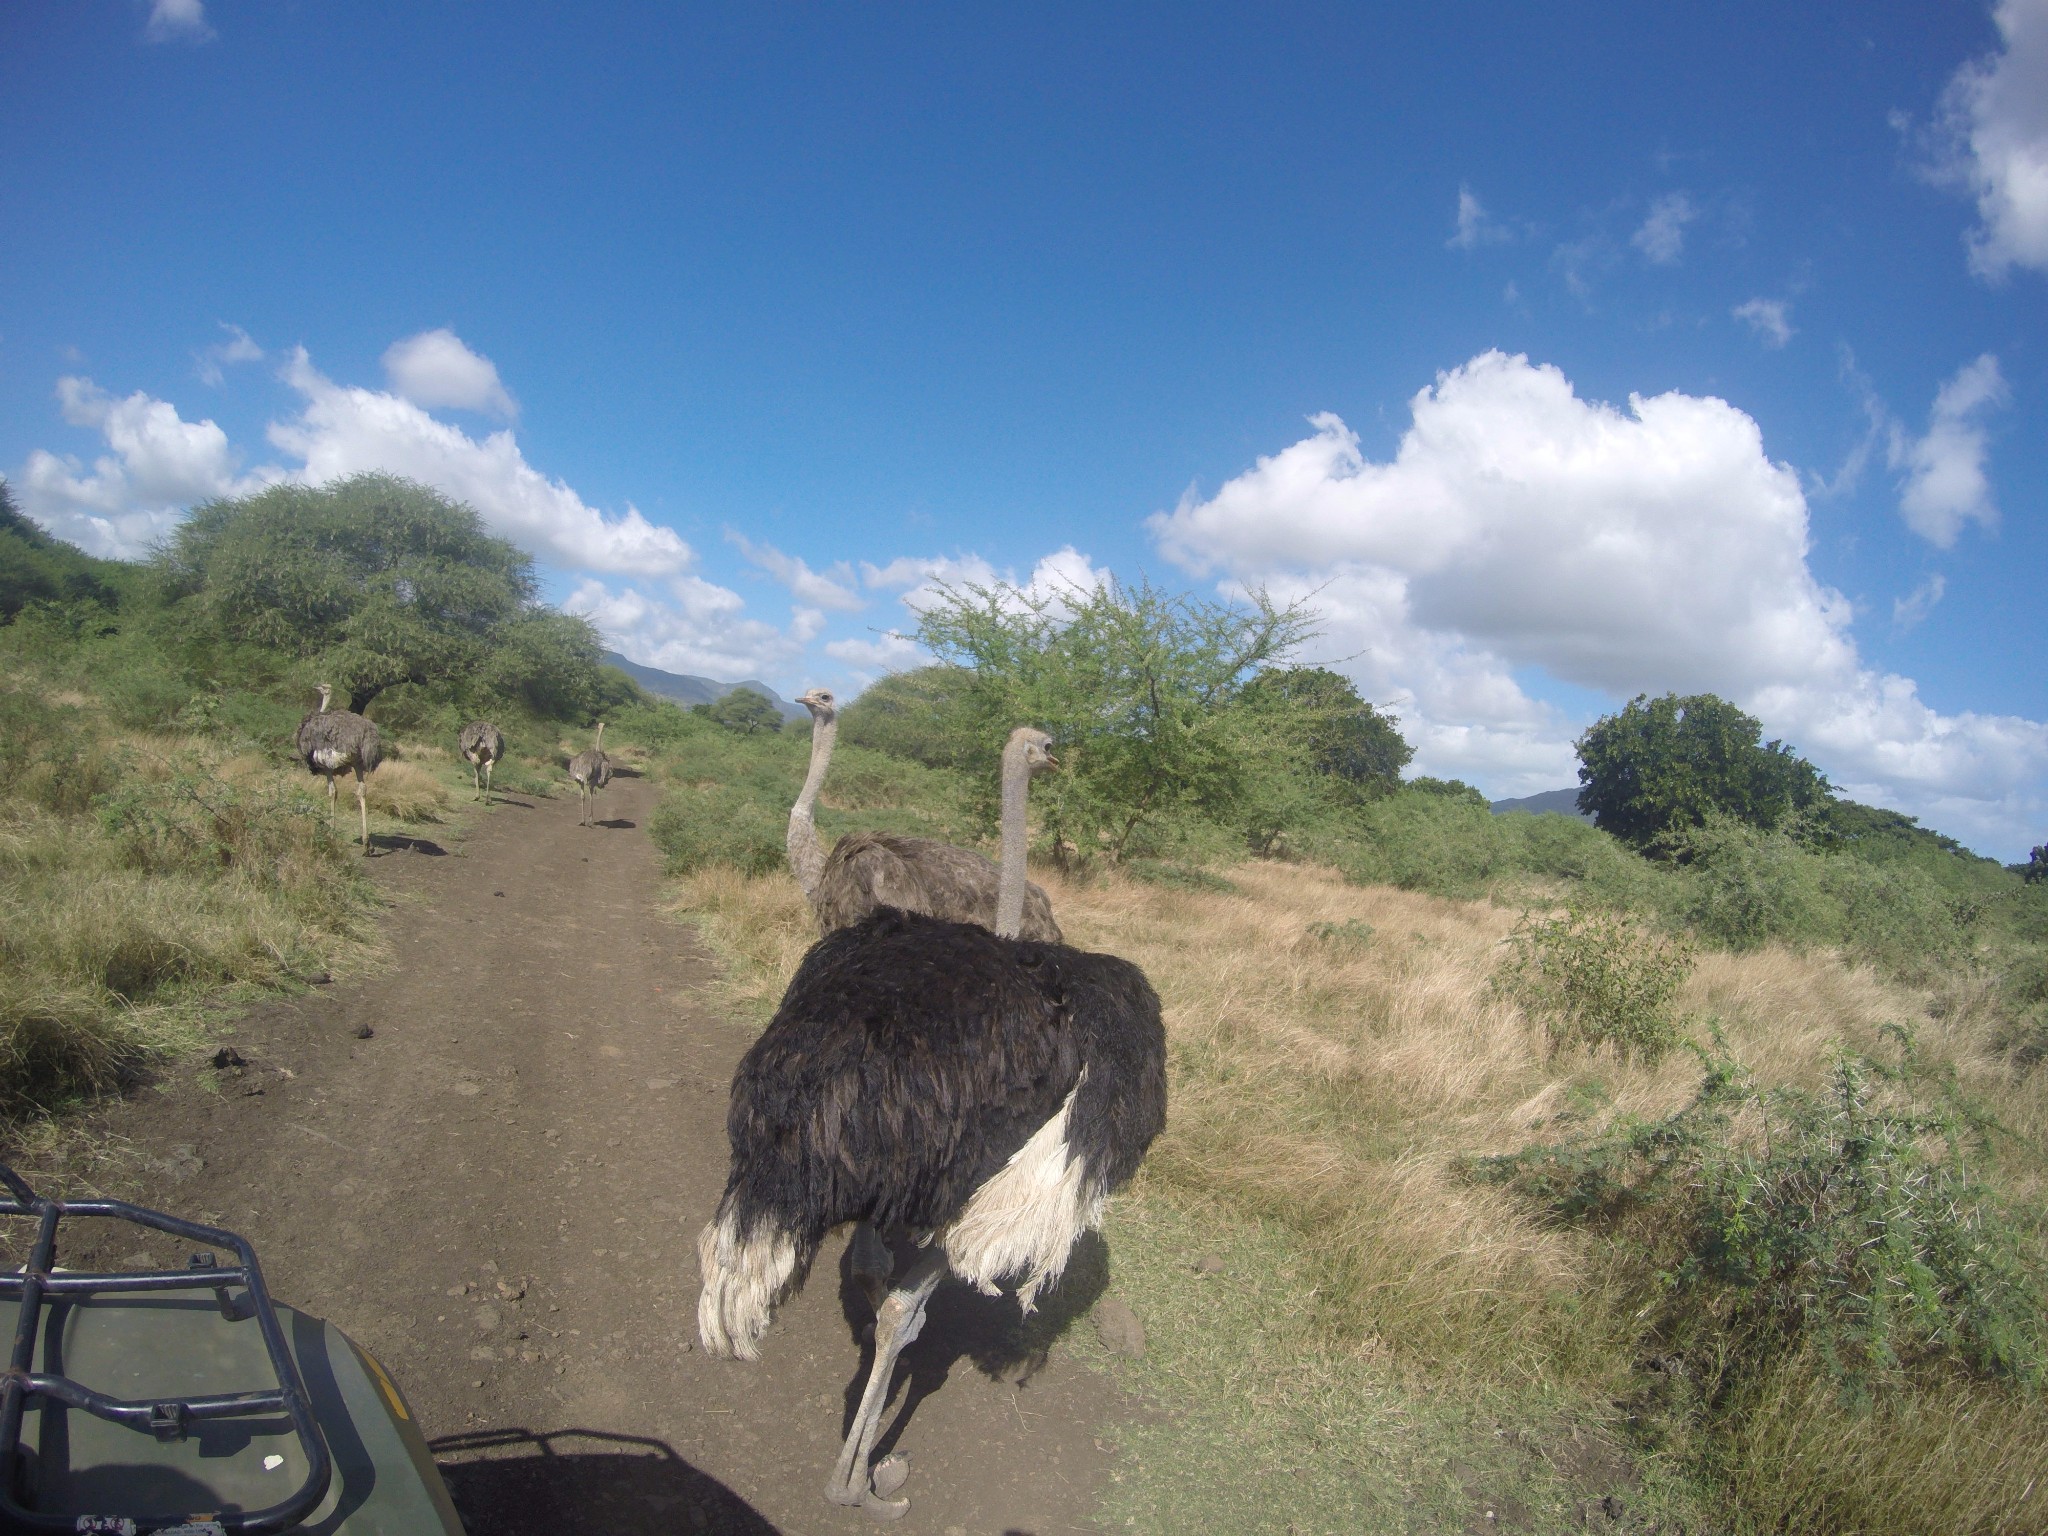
(405, 792)
(1335, 1052)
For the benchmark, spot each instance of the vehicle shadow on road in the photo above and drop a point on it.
(962, 1324)
(585, 1482)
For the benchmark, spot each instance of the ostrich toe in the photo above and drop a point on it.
(891, 1473)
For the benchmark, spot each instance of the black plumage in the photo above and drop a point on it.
(980, 1093)
(912, 1057)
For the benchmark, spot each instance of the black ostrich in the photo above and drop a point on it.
(981, 1092)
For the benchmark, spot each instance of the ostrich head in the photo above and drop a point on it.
(326, 693)
(1035, 747)
(820, 703)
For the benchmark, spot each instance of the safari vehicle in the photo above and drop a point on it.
(186, 1401)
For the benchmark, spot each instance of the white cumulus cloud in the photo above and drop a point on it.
(1945, 483)
(1056, 578)
(177, 21)
(1520, 530)
(343, 430)
(1661, 236)
(1994, 117)
(831, 589)
(687, 625)
(1770, 319)
(435, 368)
(158, 465)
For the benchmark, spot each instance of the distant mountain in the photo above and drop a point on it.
(685, 689)
(1564, 802)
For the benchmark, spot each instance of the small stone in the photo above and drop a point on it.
(497, 893)
(486, 1318)
(364, 1032)
(455, 1290)
(181, 1164)
(228, 1059)
(1209, 1264)
(1119, 1329)
(483, 1352)
(319, 979)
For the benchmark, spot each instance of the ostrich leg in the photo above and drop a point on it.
(897, 1323)
(333, 789)
(362, 809)
(487, 777)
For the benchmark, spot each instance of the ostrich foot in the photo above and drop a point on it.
(891, 1473)
(885, 1509)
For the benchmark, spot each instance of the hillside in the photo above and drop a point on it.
(686, 688)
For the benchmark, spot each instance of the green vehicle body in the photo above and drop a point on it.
(214, 1469)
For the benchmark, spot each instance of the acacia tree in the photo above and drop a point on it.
(742, 710)
(1141, 689)
(375, 580)
(1665, 765)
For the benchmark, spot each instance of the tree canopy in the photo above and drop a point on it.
(1667, 764)
(1346, 738)
(1144, 691)
(375, 581)
(742, 710)
(36, 568)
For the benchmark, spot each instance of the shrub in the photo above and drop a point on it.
(698, 827)
(1848, 1224)
(1598, 978)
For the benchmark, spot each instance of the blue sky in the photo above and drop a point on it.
(1560, 355)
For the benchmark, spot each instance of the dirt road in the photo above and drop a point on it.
(498, 1192)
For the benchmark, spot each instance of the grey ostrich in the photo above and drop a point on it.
(483, 744)
(336, 741)
(981, 1092)
(866, 870)
(591, 770)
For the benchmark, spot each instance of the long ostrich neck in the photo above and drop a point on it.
(806, 852)
(598, 745)
(1010, 881)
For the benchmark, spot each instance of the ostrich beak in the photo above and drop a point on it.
(1051, 762)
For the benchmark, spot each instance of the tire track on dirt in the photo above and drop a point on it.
(498, 1193)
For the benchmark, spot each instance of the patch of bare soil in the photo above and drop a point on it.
(489, 1164)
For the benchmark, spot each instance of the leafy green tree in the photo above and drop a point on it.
(741, 710)
(1142, 690)
(914, 714)
(2035, 870)
(374, 580)
(36, 568)
(1663, 766)
(1347, 738)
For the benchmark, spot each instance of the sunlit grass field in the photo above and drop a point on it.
(1352, 1333)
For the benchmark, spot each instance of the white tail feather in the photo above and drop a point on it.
(745, 1278)
(1027, 1218)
